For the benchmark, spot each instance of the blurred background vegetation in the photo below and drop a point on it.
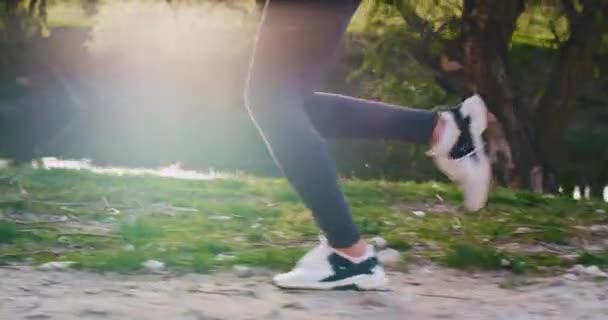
(148, 83)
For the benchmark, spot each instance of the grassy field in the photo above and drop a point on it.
(112, 223)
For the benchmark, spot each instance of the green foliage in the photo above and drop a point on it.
(541, 25)
(383, 61)
(389, 71)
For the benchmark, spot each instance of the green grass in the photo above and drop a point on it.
(277, 258)
(598, 259)
(8, 232)
(466, 256)
(110, 223)
(139, 232)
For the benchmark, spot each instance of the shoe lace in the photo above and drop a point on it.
(462, 126)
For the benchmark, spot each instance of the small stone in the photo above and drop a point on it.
(251, 285)
(600, 211)
(426, 246)
(274, 315)
(505, 263)
(389, 257)
(432, 246)
(378, 242)
(193, 314)
(578, 269)
(25, 289)
(113, 211)
(593, 248)
(570, 276)
(570, 257)
(556, 283)
(426, 270)
(224, 257)
(242, 271)
(129, 294)
(294, 305)
(374, 302)
(419, 213)
(129, 247)
(32, 305)
(219, 217)
(92, 291)
(249, 294)
(153, 266)
(63, 239)
(96, 311)
(37, 316)
(388, 223)
(595, 272)
(193, 289)
(131, 286)
(56, 265)
(522, 230)
(599, 228)
(49, 282)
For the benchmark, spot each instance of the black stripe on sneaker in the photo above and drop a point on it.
(344, 268)
(464, 145)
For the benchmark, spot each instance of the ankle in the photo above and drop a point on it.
(357, 250)
(437, 131)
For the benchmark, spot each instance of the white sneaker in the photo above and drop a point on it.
(460, 151)
(323, 268)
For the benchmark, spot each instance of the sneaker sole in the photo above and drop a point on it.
(479, 112)
(357, 283)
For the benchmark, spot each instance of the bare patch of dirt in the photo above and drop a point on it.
(425, 293)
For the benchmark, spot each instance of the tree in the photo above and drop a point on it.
(23, 19)
(573, 66)
(470, 44)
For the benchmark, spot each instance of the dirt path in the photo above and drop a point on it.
(425, 293)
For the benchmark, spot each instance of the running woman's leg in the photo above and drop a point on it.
(294, 42)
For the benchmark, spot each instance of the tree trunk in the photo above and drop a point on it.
(572, 68)
(486, 32)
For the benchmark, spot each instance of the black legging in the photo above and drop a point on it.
(295, 42)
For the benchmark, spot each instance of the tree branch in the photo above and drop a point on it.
(446, 67)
